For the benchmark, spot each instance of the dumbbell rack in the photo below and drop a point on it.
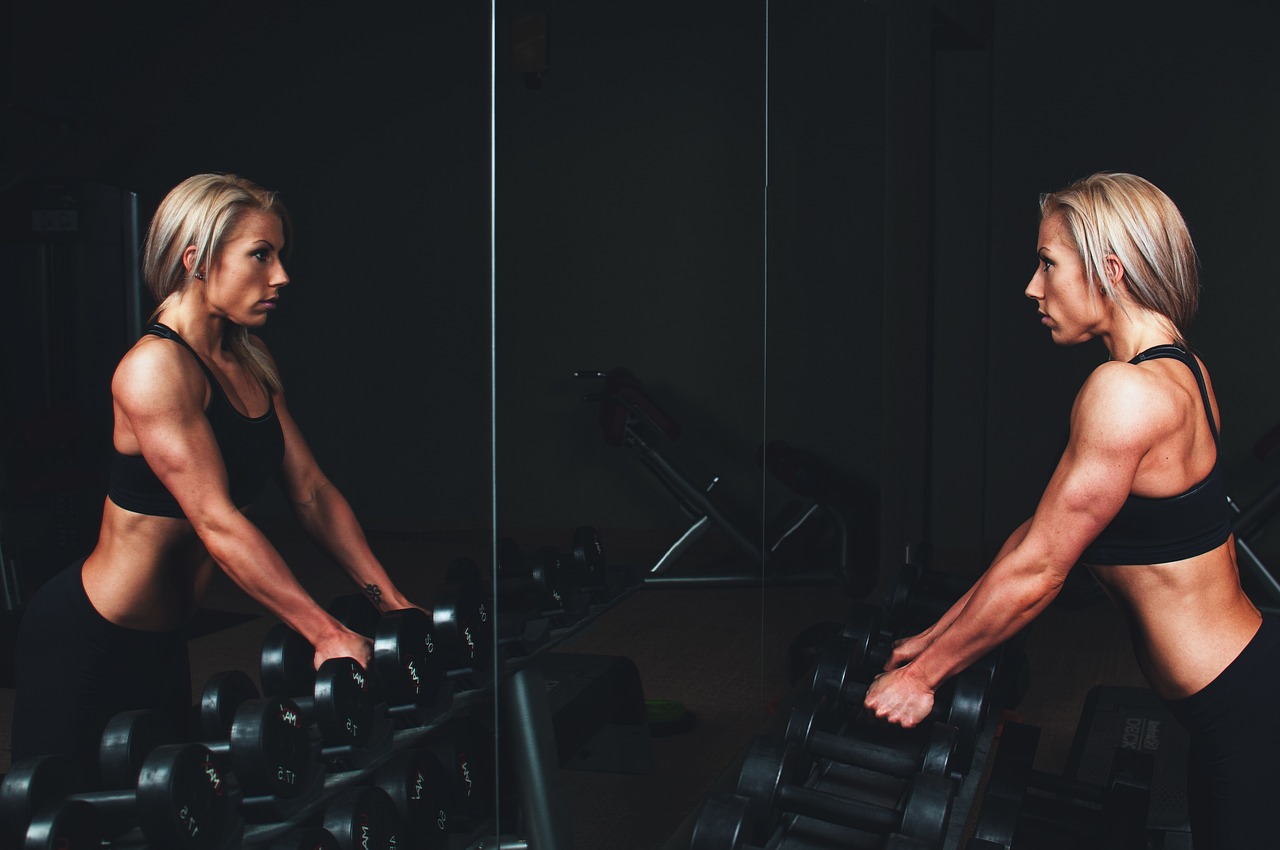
(521, 693)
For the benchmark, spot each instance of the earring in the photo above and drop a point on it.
(199, 275)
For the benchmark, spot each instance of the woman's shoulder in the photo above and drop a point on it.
(1120, 396)
(157, 367)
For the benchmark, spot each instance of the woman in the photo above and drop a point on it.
(200, 425)
(1138, 498)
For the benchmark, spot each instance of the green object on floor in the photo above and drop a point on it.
(668, 717)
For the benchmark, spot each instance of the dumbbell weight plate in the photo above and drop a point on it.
(271, 748)
(422, 790)
(221, 698)
(182, 798)
(404, 658)
(73, 825)
(344, 706)
(288, 663)
(364, 817)
(31, 784)
(127, 740)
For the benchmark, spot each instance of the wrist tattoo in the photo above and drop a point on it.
(372, 591)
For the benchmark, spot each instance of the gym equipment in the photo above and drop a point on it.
(630, 417)
(923, 812)
(363, 818)
(962, 701)
(408, 675)
(904, 758)
(341, 702)
(725, 819)
(180, 801)
(463, 625)
(424, 795)
(266, 746)
(1024, 807)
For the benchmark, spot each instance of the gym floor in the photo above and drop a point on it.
(722, 652)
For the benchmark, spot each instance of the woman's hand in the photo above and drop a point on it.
(905, 650)
(896, 696)
(345, 644)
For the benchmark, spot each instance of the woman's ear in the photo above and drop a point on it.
(1115, 273)
(189, 258)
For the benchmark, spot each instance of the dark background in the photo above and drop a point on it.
(813, 224)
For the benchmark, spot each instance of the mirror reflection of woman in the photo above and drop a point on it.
(201, 424)
(1137, 498)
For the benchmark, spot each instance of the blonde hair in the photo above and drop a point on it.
(201, 212)
(1125, 215)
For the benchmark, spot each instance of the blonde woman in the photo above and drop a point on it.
(1138, 498)
(201, 424)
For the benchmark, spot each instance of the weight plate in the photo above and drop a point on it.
(271, 748)
(420, 787)
(127, 740)
(288, 663)
(222, 697)
(183, 801)
(344, 705)
(363, 817)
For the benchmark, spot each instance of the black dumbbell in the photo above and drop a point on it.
(180, 801)
(363, 817)
(266, 746)
(923, 813)
(424, 793)
(962, 701)
(725, 820)
(337, 698)
(408, 675)
(462, 621)
(904, 758)
(541, 583)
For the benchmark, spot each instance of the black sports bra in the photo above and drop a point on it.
(1156, 531)
(252, 450)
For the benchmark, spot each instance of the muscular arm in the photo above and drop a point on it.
(160, 394)
(1113, 425)
(906, 650)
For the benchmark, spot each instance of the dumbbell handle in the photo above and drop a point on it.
(835, 809)
(880, 758)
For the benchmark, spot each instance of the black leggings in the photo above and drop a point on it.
(75, 670)
(1233, 784)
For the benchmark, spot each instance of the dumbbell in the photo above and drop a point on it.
(180, 802)
(337, 698)
(407, 671)
(922, 814)
(424, 794)
(725, 820)
(961, 702)
(462, 621)
(541, 583)
(904, 759)
(266, 746)
(363, 817)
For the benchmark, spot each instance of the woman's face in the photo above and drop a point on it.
(1061, 288)
(247, 274)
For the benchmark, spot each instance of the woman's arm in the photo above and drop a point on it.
(1114, 423)
(160, 392)
(905, 650)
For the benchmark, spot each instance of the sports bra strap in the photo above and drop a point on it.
(1177, 352)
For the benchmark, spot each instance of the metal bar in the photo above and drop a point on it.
(542, 793)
